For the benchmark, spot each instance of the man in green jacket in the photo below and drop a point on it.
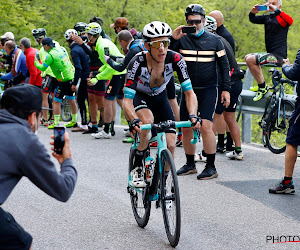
(58, 60)
(117, 79)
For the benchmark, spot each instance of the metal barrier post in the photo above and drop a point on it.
(247, 118)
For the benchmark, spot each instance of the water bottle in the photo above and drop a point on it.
(149, 169)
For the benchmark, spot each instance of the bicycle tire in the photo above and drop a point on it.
(170, 199)
(276, 135)
(66, 112)
(140, 208)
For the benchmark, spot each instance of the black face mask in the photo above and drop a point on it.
(116, 31)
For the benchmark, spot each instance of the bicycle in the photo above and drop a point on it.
(160, 187)
(275, 119)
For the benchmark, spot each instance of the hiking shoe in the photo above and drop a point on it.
(128, 140)
(282, 188)
(179, 141)
(72, 125)
(102, 135)
(254, 88)
(260, 94)
(234, 155)
(220, 149)
(208, 173)
(137, 177)
(187, 169)
(92, 130)
(200, 157)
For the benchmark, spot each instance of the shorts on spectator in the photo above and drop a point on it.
(64, 89)
(236, 89)
(12, 235)
(49, 83)
(293, 135)
(115, 87)
(98, 89)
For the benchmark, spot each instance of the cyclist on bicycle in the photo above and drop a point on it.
(146, 100)
(277, 25)
(58, 59)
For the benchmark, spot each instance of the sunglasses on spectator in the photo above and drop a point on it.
(193, 21)
(159, 43)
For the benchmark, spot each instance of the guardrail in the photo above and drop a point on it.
(250, 107)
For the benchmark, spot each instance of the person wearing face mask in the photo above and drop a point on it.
(35, 77)
(202, 51)
(25, 155)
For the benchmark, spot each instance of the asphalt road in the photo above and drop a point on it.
(233, 211)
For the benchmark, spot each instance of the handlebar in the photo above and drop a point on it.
(162, 126)
(282, 80)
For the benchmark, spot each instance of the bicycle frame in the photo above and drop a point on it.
(161, 145)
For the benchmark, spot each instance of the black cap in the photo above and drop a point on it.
(48, 41)
(26, 96)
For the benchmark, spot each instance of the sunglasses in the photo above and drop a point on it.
(191, 22)
(159, 43)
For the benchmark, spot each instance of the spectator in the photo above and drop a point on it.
(286, 186)
(30, 53)
(277, 25)
(19, 69)
(58, 59)
(25, 155)
(202, 52)
(81, 63)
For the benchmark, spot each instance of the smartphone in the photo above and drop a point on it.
(59, 139)
(106, 51)
(37, 55)
(189, 29)
(262, 7)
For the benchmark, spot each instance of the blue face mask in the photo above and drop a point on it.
(199, 34)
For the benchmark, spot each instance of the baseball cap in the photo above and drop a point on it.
(26, 96)
(8, 35)
(120, 22)
(48, 41)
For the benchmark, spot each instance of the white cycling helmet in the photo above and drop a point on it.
(156, 29)
(93, 29)
(69, 32)
(210, 24)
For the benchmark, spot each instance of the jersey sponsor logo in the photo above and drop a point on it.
(131, 73)
(272, 58)
(182, 65)
(176, 57)
(129, 82)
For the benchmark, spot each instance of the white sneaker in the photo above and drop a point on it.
(137, 177)
(126, 132)
(199, 157)
(101, 135)
(234, 155)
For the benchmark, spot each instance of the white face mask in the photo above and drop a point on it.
(36, 126)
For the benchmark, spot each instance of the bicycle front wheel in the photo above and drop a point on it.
(66, 112)
(170, 198)
(277, 129)
(140, 205)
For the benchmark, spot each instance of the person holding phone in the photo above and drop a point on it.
(202, 51)
(277, 25)
(22, 154)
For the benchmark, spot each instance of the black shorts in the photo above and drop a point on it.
(64, 89)
(293, 135)
(115, 87)
(12, 235)
(207, 100)
(158, 104)
(268, 59)
(49, 83)
(236, 89)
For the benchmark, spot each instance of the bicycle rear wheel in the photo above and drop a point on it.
(277, 130)
(170, 198)
(141, 207)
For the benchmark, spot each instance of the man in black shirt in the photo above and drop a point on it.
(276, 24)
(202, 52)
